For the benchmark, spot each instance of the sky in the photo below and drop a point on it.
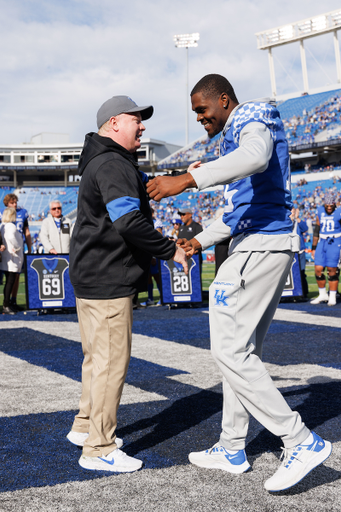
(61, 59)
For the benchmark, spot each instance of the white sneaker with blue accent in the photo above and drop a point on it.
(298, 462)
(78, 438)
(116, 461)
(218, 457)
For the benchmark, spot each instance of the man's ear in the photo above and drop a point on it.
(113, 123)
(224, 100)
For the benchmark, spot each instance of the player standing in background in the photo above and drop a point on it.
(300, 227)
(11, 201)
(254, 166)
(327, 249)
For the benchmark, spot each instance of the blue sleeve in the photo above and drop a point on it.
(144, 177)
(303, 226)
(121, 206)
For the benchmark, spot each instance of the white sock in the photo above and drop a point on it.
(322, 291)
(332, 293)
(232, 452)
(309, 439)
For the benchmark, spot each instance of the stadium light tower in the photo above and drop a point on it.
(298, 31)
(186, 41)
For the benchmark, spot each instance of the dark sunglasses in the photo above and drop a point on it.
(57, 208)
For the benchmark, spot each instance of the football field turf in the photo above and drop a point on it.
(171, 405)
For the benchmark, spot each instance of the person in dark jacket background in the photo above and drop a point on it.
(111, 248)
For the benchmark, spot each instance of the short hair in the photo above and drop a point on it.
(55, 201)
(9, 215)
(9, 198)
(104, 128)
(214, 86)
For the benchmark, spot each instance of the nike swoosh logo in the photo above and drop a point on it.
(110, 462)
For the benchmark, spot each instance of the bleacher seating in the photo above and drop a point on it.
(305, 119)
(296, 106)
(3, 192)
(312, 118)
(36, 199)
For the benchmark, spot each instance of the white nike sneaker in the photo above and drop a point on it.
(218, 457)
(116, 461)
(298, 462)
(320, 298)
(78, 438)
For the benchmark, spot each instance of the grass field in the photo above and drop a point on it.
(207, 278)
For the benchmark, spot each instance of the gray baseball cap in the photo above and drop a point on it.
(185, 210)
(121, 105)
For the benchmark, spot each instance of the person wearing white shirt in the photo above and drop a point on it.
(12, 256)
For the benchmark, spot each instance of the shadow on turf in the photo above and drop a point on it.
(192, 410)
(36, 453)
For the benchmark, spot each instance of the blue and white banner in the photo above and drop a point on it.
(293, 285)
(47, 281)
(176, 286)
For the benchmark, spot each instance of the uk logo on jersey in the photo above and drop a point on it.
(220, 298)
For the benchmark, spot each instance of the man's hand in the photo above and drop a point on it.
(189, 246)
(53, 251)
(165, 186)
(2, 248)
(180, 257)
(194, 165)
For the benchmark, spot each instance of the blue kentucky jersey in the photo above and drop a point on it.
(260, 203)
(22, 215)
(330, 225)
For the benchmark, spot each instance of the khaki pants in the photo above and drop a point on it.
(105, 327)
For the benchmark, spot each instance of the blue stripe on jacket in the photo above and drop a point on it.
(121, 206)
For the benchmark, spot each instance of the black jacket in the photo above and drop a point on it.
(110, 259)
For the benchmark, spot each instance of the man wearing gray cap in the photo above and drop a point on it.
(111, 248)
(189, 228)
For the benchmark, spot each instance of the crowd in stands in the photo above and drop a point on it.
(203, 206)
(206, 205)
(302, 129)
(202, 149)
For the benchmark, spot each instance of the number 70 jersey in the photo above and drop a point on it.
(50, 277)
(330, 224)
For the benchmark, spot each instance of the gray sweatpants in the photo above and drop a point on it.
(243, 300)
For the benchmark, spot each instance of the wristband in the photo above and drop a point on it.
(313, 247)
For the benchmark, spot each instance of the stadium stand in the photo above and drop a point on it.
(3, 192)
(36, 200)
(309, 121)
(312, 118)
(312, 123)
